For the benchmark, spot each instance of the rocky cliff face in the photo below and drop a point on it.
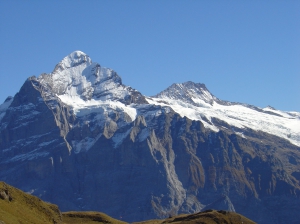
(81, 139)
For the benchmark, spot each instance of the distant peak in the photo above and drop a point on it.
(270, 107)
(193, 84)
(188, 92)
(189, 85)
(72, 60)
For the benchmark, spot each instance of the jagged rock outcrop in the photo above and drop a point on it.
(79, 138)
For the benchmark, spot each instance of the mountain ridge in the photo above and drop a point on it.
(91, 82)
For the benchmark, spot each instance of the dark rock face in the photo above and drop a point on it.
(158, 165)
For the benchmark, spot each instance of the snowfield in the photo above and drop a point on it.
(283, 124)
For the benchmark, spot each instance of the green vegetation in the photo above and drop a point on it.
(19, 207)
(206, 217)
(88, 218)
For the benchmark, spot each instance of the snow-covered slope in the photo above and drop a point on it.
(76, 76)
(197, 103)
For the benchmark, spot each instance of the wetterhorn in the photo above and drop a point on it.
(78, 137)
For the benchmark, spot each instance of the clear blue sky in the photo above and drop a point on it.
(244, 51)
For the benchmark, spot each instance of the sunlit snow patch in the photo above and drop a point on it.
(285, 124)
(82, 107)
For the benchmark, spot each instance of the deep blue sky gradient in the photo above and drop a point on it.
(244, 51)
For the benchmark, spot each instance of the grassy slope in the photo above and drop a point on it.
(17, 207)
(20, 208)
(88, 217)
(206, 217)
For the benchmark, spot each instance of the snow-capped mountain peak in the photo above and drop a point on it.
(189, 92)
(72, 60)
(76, 76)
(83, 84)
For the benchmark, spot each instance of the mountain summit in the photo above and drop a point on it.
(189, 92)
(78, 137)
(72, 60)
(77, 77)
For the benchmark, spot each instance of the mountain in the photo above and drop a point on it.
(78, 137)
